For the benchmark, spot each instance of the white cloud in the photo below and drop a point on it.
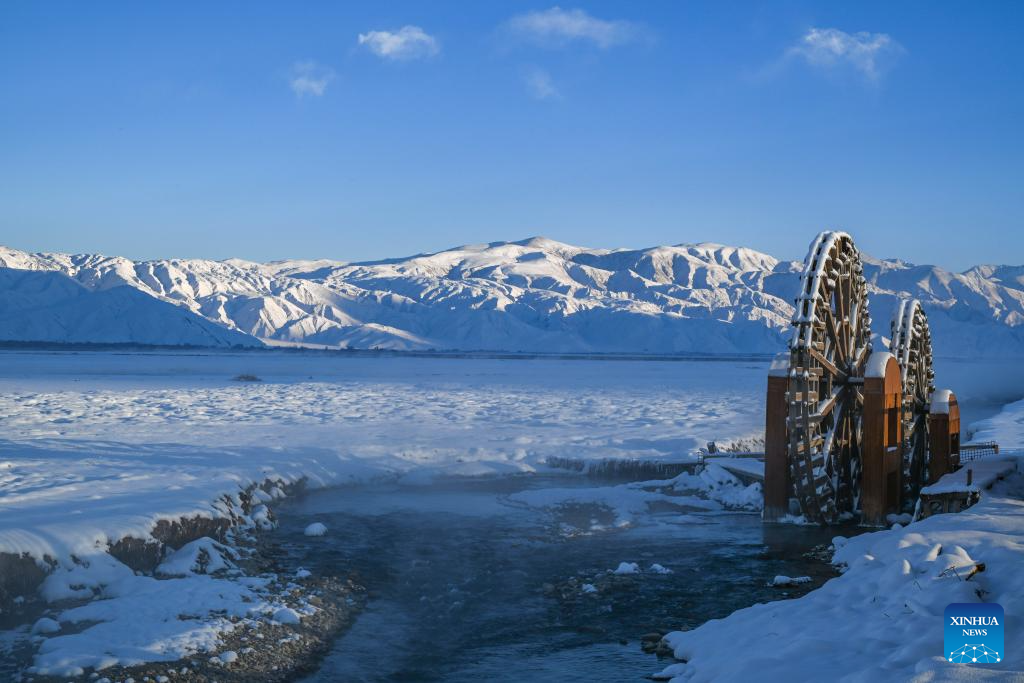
(408, 42)
(540, 85)
(310, 78)
(829, 47)
(557, 26)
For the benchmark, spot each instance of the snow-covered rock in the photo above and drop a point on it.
(287, 615)
(530, 295)
(45, 625)
(627, 568)
(316, 529)
(202, 556)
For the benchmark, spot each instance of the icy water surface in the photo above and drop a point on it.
(467, 586)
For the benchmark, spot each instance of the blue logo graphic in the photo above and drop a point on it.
(973, 633)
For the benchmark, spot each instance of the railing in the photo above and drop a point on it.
(976, 451)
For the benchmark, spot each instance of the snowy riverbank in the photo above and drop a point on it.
(882, 619)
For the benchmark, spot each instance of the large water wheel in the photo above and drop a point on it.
(911, 344)
(828, 353)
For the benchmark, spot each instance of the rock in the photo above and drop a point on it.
(316, 529)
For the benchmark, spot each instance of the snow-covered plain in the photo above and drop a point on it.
(100, 446)
(532, 295)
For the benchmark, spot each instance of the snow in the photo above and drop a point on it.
(877, 361)
(1006, 427)
(316, 529)
(95, 447)
(143, 619)
(984, 473)
(202, 556)
(287, 615)
(782, 580)
(718, 484)
(940, 401)
(530, 295)
(100, 446)
(658, 569)
(45, 625)
(882, 619)
(51, 307)
(779, 366)
(627, 568)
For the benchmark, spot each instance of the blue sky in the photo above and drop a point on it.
(358, 131)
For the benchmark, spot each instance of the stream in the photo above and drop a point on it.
(466, 585)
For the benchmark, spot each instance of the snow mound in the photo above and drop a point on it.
(45, 625)
(720, 485)
(286, 615)
(202, 556)
(627, 568)
(316, 529)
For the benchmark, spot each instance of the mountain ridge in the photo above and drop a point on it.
(539, 294)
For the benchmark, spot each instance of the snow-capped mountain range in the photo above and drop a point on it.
(533, 295)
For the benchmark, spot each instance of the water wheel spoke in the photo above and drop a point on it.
(824, 410)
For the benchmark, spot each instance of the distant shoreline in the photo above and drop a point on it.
(78, 347)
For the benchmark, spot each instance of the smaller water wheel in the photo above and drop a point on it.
(911, 344)
(828, 352)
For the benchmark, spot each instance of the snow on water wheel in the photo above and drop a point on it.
(911, 344)
(827, 355)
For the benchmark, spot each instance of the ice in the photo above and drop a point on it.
(782, 580)
(627, 568)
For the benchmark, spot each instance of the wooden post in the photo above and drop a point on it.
(881, 449)
(943, 435)
(777, 484)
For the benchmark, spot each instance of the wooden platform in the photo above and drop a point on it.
(953, 493)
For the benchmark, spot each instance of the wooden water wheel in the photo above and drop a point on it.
(911, 344)
(828, 352)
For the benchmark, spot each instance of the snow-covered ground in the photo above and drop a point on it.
(882, 620)
(100, 446)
